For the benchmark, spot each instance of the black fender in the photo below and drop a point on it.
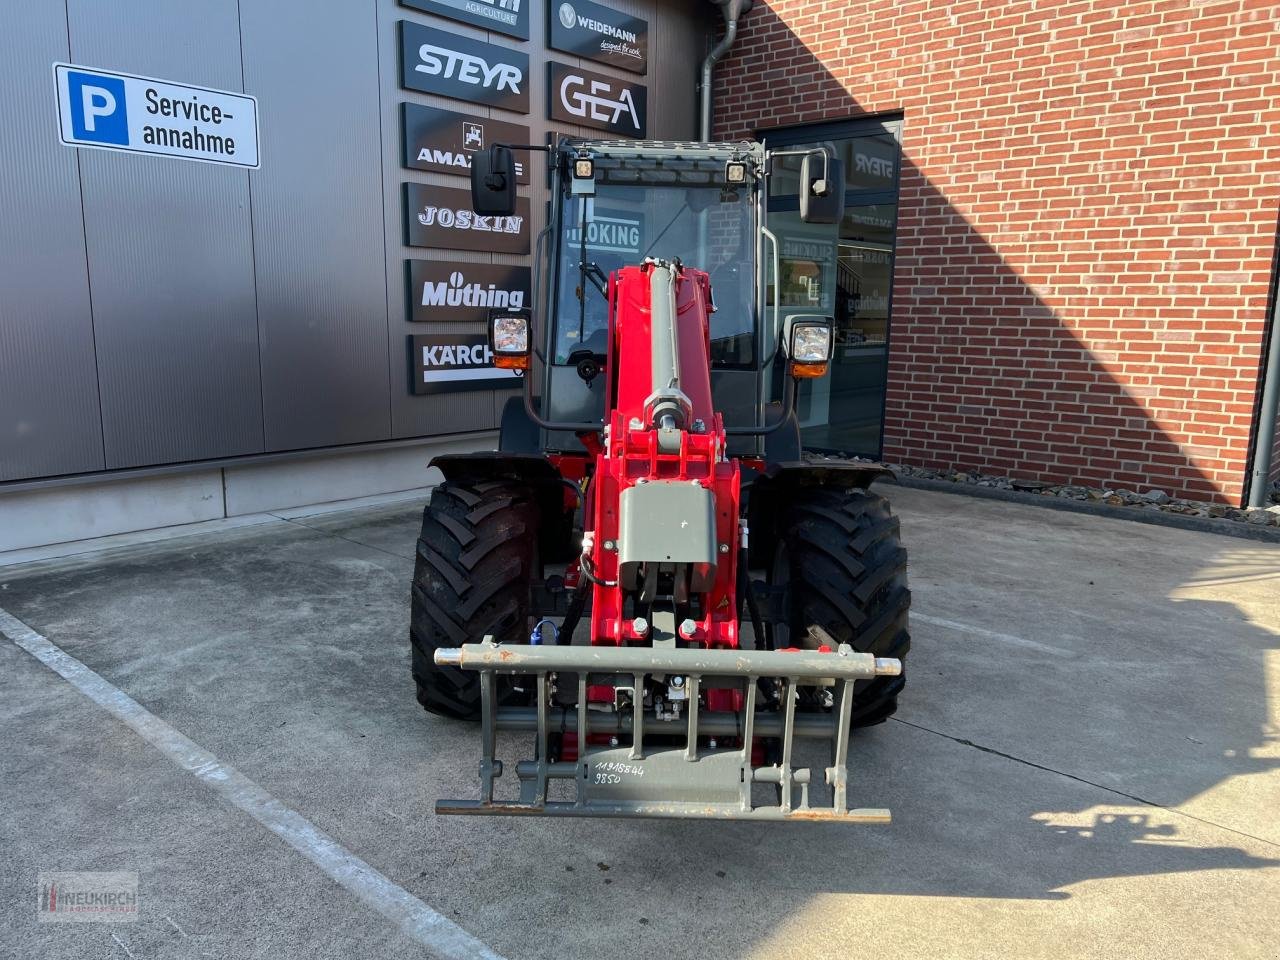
(534, 470)
(781, 483)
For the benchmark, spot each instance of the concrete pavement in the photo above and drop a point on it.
(1084, 764)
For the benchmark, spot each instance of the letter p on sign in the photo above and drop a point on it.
(97, 108)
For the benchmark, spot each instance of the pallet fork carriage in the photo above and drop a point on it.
(588, 582)
(635, 781)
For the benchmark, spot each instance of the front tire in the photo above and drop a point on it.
(475, 565)
(840, 565)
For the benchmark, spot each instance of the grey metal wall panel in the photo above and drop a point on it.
(49, 422)
(318, 222)
(677, 43)
(238, 312)
(170, 256)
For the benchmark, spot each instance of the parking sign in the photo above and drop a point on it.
(120, 111)
(98, 109)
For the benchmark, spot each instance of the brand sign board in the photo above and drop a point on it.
(442, 217)
(432, 61)
(505, 16)
(464, 292)
(586, 29)
(120, 111)
(594, 100)
(443, 141)
(447, 362)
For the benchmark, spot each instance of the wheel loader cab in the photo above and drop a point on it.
(616, 203)
(671, 206)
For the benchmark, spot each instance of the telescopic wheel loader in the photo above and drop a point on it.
(646, 446)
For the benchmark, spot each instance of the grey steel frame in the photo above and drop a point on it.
(692, 781)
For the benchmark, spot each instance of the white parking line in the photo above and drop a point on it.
(992, 635)
(440, 935)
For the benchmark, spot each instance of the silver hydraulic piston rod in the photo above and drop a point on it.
(667, 408)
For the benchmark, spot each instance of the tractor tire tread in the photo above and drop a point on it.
(848, 574)
(472, 576)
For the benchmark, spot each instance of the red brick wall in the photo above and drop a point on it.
(1088, 212)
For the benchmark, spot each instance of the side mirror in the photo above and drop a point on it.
(509, 339)
(809, 344)
(493, 182)
(821, 189)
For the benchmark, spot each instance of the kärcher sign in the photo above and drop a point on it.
(444, 362)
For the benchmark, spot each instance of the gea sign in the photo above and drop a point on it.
(442, 217)
(432, 61)
(445, 362)
(464, 292)
(443, 141)
(118, 111)
(505, 16)
(586, 29)
(594, 100)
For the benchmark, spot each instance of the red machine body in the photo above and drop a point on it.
(632, 454)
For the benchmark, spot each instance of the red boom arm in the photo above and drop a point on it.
(632, 452)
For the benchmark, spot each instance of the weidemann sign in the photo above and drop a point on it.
(587, 29)
(432, 61)
(594, 100)
(447, 362)
(464, 292)
(442, 217)
(119, 111)
(442, 141)
(505, 16)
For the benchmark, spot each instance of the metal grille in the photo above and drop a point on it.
(667, 779)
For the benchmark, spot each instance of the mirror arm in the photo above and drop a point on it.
(541, 147)
(827, 156)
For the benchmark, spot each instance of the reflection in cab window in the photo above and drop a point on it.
(849, 280)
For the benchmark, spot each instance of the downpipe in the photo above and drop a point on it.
(731, 10)
(1269, 405)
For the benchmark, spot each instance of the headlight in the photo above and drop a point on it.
(509, 338)
(510, 335)
(811, 343)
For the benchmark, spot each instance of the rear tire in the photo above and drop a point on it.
(475, 564)
(841, 566)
